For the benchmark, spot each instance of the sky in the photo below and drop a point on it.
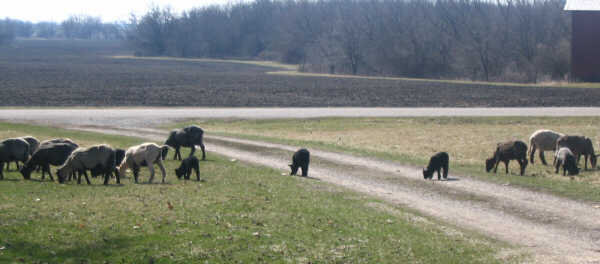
(109, 10)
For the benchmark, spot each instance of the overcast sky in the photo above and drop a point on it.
(108, 10)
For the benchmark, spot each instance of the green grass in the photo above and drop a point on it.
(468, 140)
(241, 213)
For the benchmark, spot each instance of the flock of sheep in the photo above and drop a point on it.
(74, 161)
(567, 149)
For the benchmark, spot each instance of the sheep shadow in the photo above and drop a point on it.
(306, 177)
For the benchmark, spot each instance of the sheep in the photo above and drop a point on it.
(83, 159)
(146, 154)
(505, 152)
(186, 137)
(58, 140)
(185, 169)
(119, 156)
(48, 154)
(33, 146)
(13, 149)
(437, 162)
(301, 158)
(579, 145)
(542, 140)
(565, 157)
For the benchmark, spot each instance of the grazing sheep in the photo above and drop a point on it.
(186, 137)
(58, 140)
(185, 169)
(542, 140)
(505, 152)
(48, 154)
(579, 145)
(119, 156)
(33, 146)
(301, 158)
(146, 154)
(437, 162)
(565, 157)
(83, 159)
(13, 149)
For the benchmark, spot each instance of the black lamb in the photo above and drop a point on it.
(185, 169)
(437, 162)
(300, 159)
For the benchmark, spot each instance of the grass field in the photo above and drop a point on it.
(469, 141)
(240, 214)
(87, 73)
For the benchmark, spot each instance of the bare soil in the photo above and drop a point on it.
(84, 73)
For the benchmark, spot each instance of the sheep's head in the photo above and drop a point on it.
(62, 175)
(489, 164)
(26, 172)
(427, 174)
(179, 172)
(294, 169)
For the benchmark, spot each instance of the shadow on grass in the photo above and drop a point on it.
(22, 251)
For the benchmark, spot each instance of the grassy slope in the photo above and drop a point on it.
(469, 141)
(241, 213)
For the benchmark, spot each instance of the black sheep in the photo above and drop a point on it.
(13, 149)
(185, 169)
(186, 137)
(565, 157)
(48, 154)
(437, 162)
(505, 152)
(301, 159)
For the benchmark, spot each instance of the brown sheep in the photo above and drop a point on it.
(579, 145)
(505, 152)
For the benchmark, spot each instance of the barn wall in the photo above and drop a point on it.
(585, 60)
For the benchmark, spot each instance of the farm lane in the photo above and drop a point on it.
(149, 116)
(556, 230)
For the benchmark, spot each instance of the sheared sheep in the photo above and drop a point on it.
(565, 157)
(33, 146)
(505, 152)
(48, 154)
(13, 149)
(83, 159)
(185, 169)
(146, 154)
(300, 159)
(437, 162)
(579, 145)
(542, 140)
(119, 156)
(186, 137)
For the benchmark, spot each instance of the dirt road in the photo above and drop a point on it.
(555, 230)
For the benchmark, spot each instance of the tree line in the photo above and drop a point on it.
(74, 27)
(492, 40)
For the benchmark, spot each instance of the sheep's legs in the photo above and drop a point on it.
(203, 151)
(445, 167)
(151, 168)
(305, 171)
(163, 171)
(532, 153)
(542, 158)
(506, 166)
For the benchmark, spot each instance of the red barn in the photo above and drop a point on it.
(585, 40)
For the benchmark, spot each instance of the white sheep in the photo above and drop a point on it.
(542, 140)
(146, 154)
